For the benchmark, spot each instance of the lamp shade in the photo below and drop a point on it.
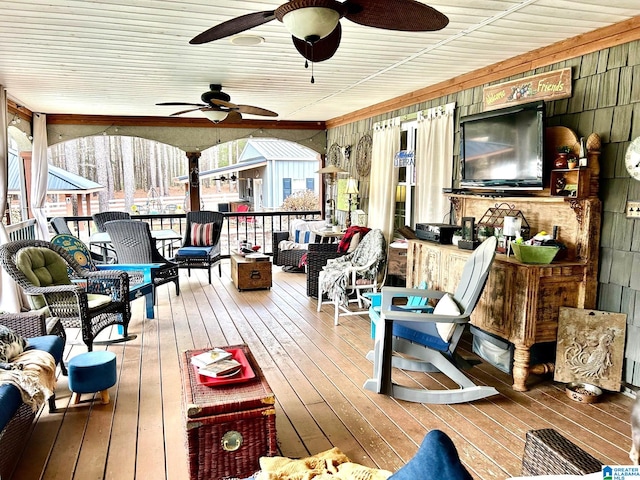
(311, 23)
(215, 115)
(330, 169)
(352, 187)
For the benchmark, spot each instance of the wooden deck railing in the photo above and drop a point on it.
(22, 231)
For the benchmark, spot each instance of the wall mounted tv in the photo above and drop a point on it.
(503, 149)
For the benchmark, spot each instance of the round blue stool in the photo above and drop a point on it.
(92, 372)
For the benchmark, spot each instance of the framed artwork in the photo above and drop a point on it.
(590, 347)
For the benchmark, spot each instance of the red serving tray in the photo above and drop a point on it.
(246, 372)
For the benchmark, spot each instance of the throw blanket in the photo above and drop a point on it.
(34, 375)
(370, 255)
(329, 465)
(345, 241)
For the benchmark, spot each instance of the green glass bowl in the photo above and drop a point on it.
(534, 254)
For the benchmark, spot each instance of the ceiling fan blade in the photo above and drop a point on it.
(248, 109)
(222, 103)
(233, 26)
(180, 104)
(185, 111)
(404, 15)
(233, 117)
(323, 49)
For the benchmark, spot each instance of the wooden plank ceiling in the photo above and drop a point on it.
(117, 57)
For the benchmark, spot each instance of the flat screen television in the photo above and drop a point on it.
(503, 149)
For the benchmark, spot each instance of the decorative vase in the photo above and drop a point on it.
(561, 161)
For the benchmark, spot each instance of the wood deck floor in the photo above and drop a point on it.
(316, 371)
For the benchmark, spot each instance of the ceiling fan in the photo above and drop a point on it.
(217, 107)
(315, 24)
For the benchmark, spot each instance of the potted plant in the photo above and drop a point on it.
(561, 158)
(456, 237)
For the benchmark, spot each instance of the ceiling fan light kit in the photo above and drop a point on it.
(215, 115)
(310, 20)
(315, 24)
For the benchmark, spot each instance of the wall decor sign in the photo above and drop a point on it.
(404, 158)
(544, 86)
(590, 347)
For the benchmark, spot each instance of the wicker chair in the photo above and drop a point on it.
(290, 259)
(201, 256)
(140, 284)
(101, 218)
(13, 436)
(317, 257)
(102, 301)
(60, 227)
(133, 243)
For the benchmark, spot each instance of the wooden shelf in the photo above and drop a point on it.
(570, 183)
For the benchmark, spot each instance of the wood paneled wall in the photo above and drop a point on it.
(605, 100)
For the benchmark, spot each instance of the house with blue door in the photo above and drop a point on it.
(287, 167)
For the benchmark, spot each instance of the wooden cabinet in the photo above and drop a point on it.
(521, 302)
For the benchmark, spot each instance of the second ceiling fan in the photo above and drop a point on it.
(217, 107)
(315, 24)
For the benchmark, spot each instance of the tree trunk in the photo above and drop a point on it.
(103, 164)
(128, 172)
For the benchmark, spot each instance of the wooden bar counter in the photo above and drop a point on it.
(521, 301)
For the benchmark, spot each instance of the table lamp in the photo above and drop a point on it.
(352, 189)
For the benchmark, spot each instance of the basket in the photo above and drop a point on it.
(534, 254)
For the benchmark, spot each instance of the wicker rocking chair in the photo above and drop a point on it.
(95, 301)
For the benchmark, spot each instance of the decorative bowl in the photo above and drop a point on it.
(534, 254)
(583, 392)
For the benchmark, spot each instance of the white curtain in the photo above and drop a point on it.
(39, 175)
(9, 293)
(434, 163)
(383, 177)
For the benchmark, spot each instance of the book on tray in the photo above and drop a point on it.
(221, 368)
(210, 357)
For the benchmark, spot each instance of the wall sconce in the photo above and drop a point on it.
(351, 190)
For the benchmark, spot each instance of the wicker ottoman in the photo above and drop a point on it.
(229, 426)
(546, 452)
(92, 372)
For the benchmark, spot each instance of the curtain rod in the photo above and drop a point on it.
(420, 114)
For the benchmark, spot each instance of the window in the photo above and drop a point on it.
(405, 190)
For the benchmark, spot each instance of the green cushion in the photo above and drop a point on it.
(43, 268)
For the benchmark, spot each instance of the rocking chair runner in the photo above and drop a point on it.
(432, 349)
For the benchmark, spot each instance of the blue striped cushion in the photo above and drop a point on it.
(303, 236)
